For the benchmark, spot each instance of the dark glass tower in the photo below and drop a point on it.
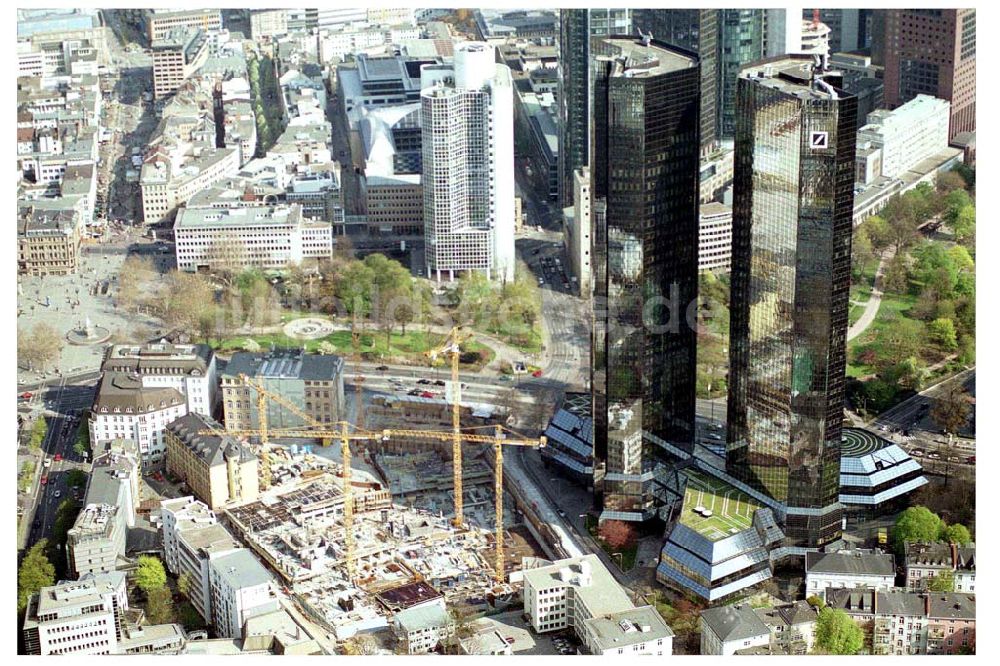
(792, 210)
(692, 30)
(576, 27)
(644, 167)
(741, 41)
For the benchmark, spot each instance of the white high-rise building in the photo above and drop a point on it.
(467, 111)
(788, 32)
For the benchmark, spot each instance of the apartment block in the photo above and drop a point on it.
(241, 588)
(217, 468)
(849, 568)
(927, 561)
(48, 240)
(192, 538)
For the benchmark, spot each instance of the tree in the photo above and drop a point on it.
(942, 332)
(618, 534)
(965, 224)
(76, 478)
(967, 350)
(184, 583)
(896, 278)
(917, 523)
(862, 251)
(948, 181)
(361, 644)
(902, 215)
(951, 411)
(903, 339)
(39, 430)
(150, 575)
(816, 602)
(956, 534)
(327, 347)
(251, 346)
(186, 298)
(82, 444)
(37, 349)
(945, 582)
(159, 606)
(35, 573)
(135, 273)
(877, 231)
(837, 633)
(911, 373)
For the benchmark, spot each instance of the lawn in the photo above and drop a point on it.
(861, 289)
(731, 509)
(893, 306)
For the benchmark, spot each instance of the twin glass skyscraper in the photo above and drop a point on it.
(794, 141)
(792, 217)
(644, 166)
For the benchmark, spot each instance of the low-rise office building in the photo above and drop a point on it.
(217, 468)
(581, 594)
(79, 618)
(908, 135)
(192, 538)
(241, 588)
(262, 236)
(422, 628)
(191, 369)
(170, 176)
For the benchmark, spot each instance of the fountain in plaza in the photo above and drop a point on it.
(88, 334)
(309, 328)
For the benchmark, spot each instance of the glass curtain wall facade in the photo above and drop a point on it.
(793, 200)
(741, 41)
(645, 169)
(692, 30)
(576, 27)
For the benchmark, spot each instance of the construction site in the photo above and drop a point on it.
(420, 514)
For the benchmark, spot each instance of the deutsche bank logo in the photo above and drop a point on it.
(819, 140)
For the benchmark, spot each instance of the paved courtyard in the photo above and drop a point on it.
(65, 301)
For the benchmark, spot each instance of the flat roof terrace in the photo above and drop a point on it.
(714, 509)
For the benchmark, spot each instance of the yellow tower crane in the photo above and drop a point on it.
(340, 430)
(452, 347)
(322, 430)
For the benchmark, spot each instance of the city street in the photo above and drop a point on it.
(62, 405)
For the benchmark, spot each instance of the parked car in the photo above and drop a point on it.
(536, 373)
(58, 457)
(45, 479)
(426, 394)
(423, 382)
(440, 383)
(382, 368)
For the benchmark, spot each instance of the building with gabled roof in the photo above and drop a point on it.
(926, 561)
(726, 629)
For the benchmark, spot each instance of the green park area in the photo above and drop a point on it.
(925, 326)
